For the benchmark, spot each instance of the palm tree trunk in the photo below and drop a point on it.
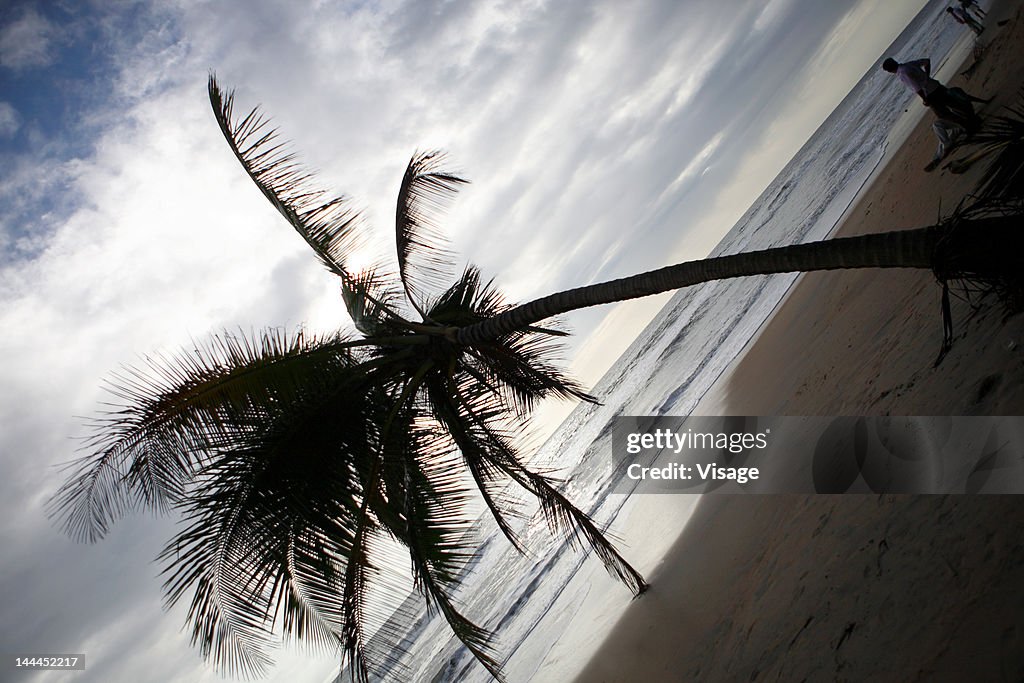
(928, 248)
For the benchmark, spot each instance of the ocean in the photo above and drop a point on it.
(672, 364)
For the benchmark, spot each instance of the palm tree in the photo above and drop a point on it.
(299, 463)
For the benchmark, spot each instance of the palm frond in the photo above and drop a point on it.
(523, 366)
(1003, 137)
(230, 609)
(438, 530)
(176, 411)
(473, 431)
(467, 300)
(424, 262)
(491, 481)
(328, 224)
(425, 508)
(562, 515)
(308, 588)
(369, 299)
(282, 532)
(353, 594)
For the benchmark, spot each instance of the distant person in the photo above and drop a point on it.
(962, 17)
(972, 6)
(951, 104)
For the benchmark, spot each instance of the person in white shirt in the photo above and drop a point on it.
(951, 104)
(916, 75)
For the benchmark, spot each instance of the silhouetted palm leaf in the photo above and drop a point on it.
(470, 414)
(370, 301)
(1003, 136)
(424, 263)
(329, 225)
(283, 518)
(439, 534)
(177, 411)
(1000, 142)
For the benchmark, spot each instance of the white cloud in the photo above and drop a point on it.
(772, 12)
(27, 41)
(695, 168)
(10, 121)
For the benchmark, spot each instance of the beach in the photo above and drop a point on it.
(852, 587)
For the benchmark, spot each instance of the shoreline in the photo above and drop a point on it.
(851, 587)
(915, 122)
(873, 313)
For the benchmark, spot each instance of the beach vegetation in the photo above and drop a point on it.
(1000, 143)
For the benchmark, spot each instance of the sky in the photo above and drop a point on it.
(601, 138)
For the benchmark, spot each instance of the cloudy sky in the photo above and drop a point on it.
(602, 139)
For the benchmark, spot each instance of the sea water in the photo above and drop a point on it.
(666, 371)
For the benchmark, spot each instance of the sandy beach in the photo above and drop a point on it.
(852, 588)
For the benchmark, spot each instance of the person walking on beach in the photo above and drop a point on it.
(973, 6)
(951, 104)
(962, 17)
